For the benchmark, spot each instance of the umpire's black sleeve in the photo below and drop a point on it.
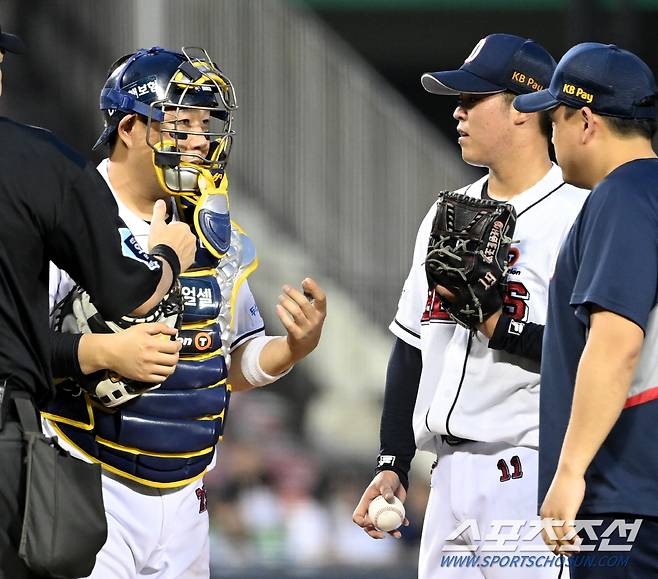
(520, 338)
(64, 354)
(87, 239)
(396, 433)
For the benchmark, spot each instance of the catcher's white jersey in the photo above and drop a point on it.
(246, 317)
(497, 399)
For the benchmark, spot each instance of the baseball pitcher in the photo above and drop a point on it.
(463, 378)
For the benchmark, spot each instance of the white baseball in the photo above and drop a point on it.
(384, 515)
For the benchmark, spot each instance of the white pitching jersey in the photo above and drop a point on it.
(486, 395)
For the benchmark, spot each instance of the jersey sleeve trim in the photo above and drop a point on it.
(247, 336)
(581, 301)
(642, 398)
(405, 334)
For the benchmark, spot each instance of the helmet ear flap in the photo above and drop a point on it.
(111, 120)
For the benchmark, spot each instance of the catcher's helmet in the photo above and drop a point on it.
(158, 84)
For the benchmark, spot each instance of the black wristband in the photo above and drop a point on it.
(499, 335)
(64, 355)
(397, 464)
(519, 338)
(170, 256)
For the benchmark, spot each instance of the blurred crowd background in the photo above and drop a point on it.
(338, 155)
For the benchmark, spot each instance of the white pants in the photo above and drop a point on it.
(155, 533)
(468, 493)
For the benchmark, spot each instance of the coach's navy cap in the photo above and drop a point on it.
(11, 43)
(603, 77)
(499, 62)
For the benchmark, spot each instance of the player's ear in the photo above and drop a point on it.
(126, 130)
(589, 123)
(519, 118)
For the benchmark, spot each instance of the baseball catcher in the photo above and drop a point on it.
(468, 254)
(156, 444)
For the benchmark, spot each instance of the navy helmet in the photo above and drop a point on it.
(156, 82)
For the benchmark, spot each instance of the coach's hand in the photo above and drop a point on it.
(386, 483)
(176, 235)
(561, 506)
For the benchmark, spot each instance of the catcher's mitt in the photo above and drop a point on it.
(76, 314)
(468, 254)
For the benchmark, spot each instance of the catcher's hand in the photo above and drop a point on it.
(468, 254)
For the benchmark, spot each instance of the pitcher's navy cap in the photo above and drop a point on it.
(11, 43)
(499, 62)
(603, 77)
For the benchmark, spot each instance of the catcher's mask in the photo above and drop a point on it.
(165, 87)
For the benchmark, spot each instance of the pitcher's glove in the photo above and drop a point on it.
(76, 314)
(468, 254)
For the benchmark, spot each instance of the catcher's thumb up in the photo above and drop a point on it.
(159, 214)
(176, 235)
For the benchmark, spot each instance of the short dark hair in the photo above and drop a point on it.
(545, 124)
(623, 127)
(632, 127)
(112, 140)
(569, 112)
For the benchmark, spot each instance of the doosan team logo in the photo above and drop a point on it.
(478, 48)
(130, 248)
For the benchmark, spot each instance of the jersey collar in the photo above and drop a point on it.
(547, 184)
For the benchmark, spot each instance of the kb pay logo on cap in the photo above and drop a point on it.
(578, 92)
(526, 80)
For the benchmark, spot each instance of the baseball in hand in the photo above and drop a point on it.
(384, 515)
